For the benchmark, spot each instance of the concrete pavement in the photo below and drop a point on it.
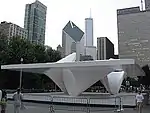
(44, 108)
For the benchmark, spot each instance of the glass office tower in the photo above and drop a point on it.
(35, 21)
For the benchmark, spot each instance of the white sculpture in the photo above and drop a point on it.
(113, 81)
(75, 77)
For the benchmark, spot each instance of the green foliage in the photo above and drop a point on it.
(145, 80)
(52, 55)
(12, 50)
(3, 49)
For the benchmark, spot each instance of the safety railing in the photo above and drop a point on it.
(84, 104)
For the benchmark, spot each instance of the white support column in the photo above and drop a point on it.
(77, 51)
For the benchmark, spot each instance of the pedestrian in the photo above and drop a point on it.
(139, 101)
(17, 101)
(3, 101)
(22, 104)
(0, 94)
(0, 97)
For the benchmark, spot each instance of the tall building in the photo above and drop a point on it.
(134, 36)
(71, 35)
(60, 49)
(89, 31)
(105, 48)
(147, 4)
(12, 30)
(128, 10)
(35, 21)
(91, 51)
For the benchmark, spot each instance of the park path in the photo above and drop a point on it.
(43, 108)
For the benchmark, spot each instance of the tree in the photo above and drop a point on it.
(145, 79)
(3, 57)
(132, 82)
(20, 48)
(11, 52)
(3, 48)
(52, 55)
(39, 53)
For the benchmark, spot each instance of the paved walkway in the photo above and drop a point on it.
(44, 108)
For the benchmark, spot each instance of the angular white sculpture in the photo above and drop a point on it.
(75, 77)
(56, 73)
(69, 58)
(113, 81)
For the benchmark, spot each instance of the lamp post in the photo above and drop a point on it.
(21, 60)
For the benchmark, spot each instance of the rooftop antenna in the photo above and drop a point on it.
(142, 5)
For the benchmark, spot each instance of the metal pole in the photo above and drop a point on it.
(20, 84)
(55, 88)
(20, 79)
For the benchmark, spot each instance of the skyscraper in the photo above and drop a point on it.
(90, 50)
(35, 21)
(134, 35)
(105, 48)
(71, 35)
(89, 31)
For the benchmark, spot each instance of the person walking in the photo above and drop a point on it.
(17, 101)
(1, 98)
(139, 101)
(0, 94)
(3, 101)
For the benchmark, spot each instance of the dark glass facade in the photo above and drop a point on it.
(105, 48)
(109, 49)
(35, 22)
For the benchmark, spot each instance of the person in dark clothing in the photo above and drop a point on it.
(3, 101)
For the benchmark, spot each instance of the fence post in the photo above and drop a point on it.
(120, 105)
(88, 105)
(51, 107)
(115, 103)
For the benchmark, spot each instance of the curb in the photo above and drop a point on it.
(74, 104)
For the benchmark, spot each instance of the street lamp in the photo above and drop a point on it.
(21, 60)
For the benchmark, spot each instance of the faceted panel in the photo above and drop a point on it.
(56, 75)
(87, 76)
(70, 82)
(69, 58)
(115, 80)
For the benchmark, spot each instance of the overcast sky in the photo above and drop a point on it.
(59, 12)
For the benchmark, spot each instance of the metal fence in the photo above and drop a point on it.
(84, 104)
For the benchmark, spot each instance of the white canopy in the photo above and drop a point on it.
(75, 77)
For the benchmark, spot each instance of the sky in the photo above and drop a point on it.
(59, 12)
